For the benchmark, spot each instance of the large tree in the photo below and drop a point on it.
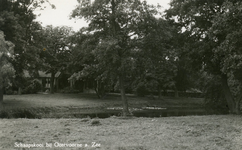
(226, 33)
(85, 66)
(6, 69)
(55, 50)
(199, 19)
(115, 24)
(17, 23)
(157, 55)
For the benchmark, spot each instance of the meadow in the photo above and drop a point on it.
(206, 132)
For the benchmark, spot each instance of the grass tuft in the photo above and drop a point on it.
(95, 122)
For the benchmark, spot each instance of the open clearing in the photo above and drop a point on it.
(222, 132)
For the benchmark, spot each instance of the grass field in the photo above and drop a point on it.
(221, 132)
(212, 132)
(91, 100)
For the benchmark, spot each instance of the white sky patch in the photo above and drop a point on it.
(61, 15)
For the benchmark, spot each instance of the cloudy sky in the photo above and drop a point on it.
(60, 15)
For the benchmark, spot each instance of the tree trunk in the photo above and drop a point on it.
(1, 94)
(159, 92)
(97, 89)
(52, 82)
(176, 92)
(123, 96)
(228, 94)
(19, 90)
(237, 107)
(57, 84)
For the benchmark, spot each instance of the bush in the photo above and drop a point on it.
(18, 113)
(69, 90)
(24, 113)
(141, 90)
(9, 91)
(214, 97)
(4, 114)
(32, 87)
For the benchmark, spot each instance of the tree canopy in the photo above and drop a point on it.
(17, 21)
(116, 24)
(212, 30)
(6, 68)
(54, 50)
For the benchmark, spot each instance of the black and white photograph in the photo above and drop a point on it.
(120, 74)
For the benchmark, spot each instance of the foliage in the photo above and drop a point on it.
(86, 66)
(194, 19)
(214, 96)
(226, 32)
(69, 90)
(212, 43)
(6, 69)
(18, 113)
(115, 24)
(17, 22)
(54, 50)
(32, 87)
(141, 89)
(54, 47)
(156, 56)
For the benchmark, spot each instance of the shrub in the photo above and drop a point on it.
(4, 114)
(214, 97)
(24, 113)
(32, 87)
(141, 90)
(69, 90)
(9, 91)
(18, 113)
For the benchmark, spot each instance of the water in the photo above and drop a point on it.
(154, 112)
(112, 111)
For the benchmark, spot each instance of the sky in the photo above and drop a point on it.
(61, 15)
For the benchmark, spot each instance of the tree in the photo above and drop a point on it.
(6, 69)
(84, 65)
(114, 23)
(17, 23)
(55, 50)
(226, 32)
(158, 54)
(197, 19)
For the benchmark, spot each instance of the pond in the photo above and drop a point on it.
(154, 112)
(151, 111)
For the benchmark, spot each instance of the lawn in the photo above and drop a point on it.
(71, 105)
(214, 132)
(91, 100)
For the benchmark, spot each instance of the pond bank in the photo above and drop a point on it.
(80, 112)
